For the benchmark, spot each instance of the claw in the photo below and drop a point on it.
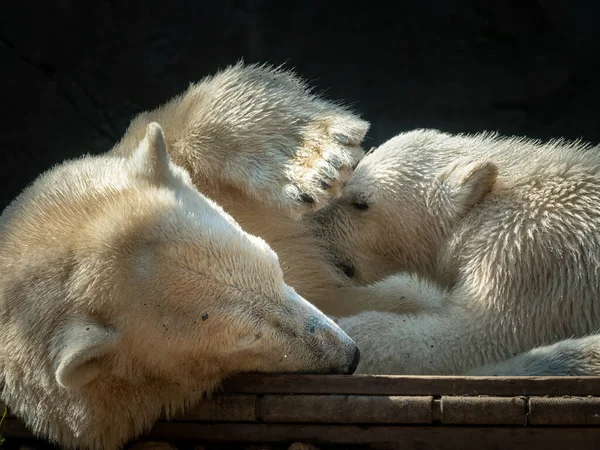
(306, 198)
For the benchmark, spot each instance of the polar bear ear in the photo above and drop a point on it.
(80, 349)
(151, 159)
(464, 183)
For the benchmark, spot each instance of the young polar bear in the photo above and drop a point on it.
(125, 292)
(508, 230)
(261, 144)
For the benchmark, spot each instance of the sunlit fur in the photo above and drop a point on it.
(124, 291)
(508, 229)
(258, 141)
(260, 130)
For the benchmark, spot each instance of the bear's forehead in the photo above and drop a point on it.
(211, 232)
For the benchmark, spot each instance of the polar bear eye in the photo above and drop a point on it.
(359, 204)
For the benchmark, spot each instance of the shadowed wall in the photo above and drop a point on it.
(75, 73)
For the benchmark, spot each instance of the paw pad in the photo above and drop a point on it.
(306, 198)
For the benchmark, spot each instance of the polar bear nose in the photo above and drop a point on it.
(351, 364)
(354, 363)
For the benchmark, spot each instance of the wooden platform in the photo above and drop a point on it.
(386, 412)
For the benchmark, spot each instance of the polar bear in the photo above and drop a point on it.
(125, 292)
(507, 230)
(258, 141)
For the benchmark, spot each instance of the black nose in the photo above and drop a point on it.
(355, 362)
(347, 269)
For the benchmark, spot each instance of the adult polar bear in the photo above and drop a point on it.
(125, 292)
(507, 230)
(261, 144)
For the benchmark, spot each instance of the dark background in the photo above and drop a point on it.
(73, 73)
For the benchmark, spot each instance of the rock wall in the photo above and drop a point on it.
(74, 73)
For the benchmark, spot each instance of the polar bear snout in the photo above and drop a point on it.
(333, 346)
(351, 360)
(318, 343)
(341, 361)
(348, 357)
(354, 363)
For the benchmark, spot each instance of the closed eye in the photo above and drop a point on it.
(359, 204)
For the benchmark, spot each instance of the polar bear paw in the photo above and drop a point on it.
(294, 147)
(323, 163)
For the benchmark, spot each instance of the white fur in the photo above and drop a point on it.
(125, 292)
(508, 230)
(258, 141)
(570, 357)
(260, 130)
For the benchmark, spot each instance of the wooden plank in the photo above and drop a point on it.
(564, 411)
(239, 408)
(405, 437)
(346, 409)
(483, 410)
(148, 445)
(411, 385)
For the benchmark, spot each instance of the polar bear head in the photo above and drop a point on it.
(125, 292)
(401, 204)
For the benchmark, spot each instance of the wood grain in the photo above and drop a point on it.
(347, 409)
(240, 408)
(564, 411)
(409, 437)
(483, 410)
(412, 385)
